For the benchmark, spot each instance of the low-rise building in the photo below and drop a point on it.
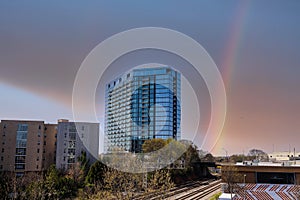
(284, 156)
(26, 146)
(74, 138)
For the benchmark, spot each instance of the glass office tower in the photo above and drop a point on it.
(142, 104)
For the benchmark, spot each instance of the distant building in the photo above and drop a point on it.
(268, 173)
(73, 139)
(26, 146)
(284, 156)
(130, 114)
(265, 180)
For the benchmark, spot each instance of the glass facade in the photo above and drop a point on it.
(21, 143)
(142, 104)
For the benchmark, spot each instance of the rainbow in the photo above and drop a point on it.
(231, 52)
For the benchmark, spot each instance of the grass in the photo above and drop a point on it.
(216, 196)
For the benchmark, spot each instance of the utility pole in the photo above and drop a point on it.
(244, 186)
(226, 153)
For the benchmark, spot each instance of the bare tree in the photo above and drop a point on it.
(231, 177)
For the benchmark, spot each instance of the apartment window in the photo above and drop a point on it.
(2, 150)
(20, 166)
(37, 167)
(19, 174)
(37, 159)
(20, 159)
(38, 150)
(20, 151)
(44, 142)
(39, 127)
(4, 126)
(1, 166)
(1, 158)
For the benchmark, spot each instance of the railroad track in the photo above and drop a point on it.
(174, 191)
(201, 192)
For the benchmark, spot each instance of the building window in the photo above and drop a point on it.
(2, 150)
(39, 127)
(1, 166)
(44, 142)
(20, 166)
(19, 174)
(37, 167)
(38, 150)
(1, 158)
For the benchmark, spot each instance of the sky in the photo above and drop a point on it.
(255, 45)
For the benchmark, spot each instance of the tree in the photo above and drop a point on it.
(153, 145)
(84, 163)
(76, 173)
(5, 187)
(58, 186)
(258, 154)
(160, 181)
(95, 175)
(191, 156)
(238, 158)
(231, 177)
(208, 158)
(123, 185)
